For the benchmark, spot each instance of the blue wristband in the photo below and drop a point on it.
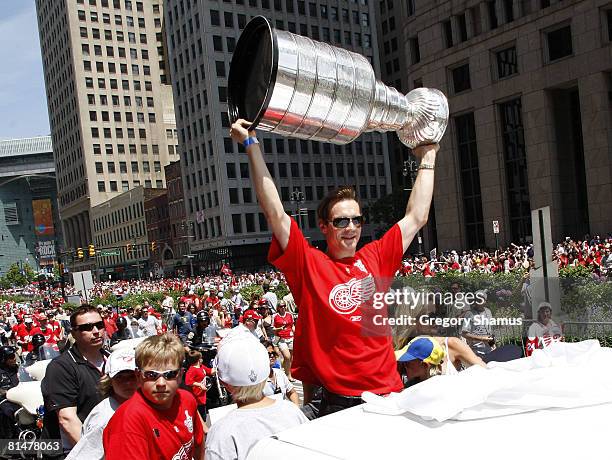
(250, 140)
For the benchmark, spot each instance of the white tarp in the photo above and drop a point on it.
(561, 392)
(560, 376)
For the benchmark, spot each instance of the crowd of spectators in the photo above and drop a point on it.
(592, 252)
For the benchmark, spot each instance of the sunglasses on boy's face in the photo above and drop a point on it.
(88, 327)
(343, 222)
(152, 376)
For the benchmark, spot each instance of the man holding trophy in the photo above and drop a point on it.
(294, 86)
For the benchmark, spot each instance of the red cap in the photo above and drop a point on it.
(250, 314)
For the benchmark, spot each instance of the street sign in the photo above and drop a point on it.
(109, 252)
(83, 282)
(496, 226)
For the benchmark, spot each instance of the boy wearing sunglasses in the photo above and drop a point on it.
(160, 421)
(337, 344)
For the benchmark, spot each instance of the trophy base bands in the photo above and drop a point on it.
(12, 448)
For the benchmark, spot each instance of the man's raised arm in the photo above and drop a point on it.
(266, 191)
(417, 210)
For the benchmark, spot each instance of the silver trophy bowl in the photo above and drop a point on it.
(297, 87)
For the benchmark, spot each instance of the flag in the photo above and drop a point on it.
(225, 270)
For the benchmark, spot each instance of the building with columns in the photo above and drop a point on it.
(110, 103)
(529, 86)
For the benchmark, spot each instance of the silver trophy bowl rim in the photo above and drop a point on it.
(241, 61)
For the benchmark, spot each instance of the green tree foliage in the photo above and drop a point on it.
(385, 212)
(18, 276)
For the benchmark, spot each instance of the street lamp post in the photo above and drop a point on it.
(297, 198)
(136, 253)
(410, 167)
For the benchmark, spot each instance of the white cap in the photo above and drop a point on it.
(242, 361)
(121, 360)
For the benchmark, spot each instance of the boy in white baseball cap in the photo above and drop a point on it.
(117, 385)
(243, 366)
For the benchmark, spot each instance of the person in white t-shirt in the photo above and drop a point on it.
(117, 386)
(278, 382)
(243, 366)
(149, 324)
(544, 331)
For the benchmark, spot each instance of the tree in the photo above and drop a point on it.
(18, 276)
(389, 209)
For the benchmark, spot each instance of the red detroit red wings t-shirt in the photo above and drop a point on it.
(330, 347)
(285, 321)
(138, 431)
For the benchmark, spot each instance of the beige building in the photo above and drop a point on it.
(529, 90)
(110, 109)
(120, 233)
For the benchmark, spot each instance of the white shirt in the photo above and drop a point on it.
(149, 326)
(90, 445)
(279, 384)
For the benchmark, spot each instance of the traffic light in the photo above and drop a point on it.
(128, 248)
(92, 250)
(80, 254)
(153, 246)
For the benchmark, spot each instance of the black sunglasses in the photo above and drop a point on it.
(88, 327)
(154, 375)
(272, 354)
(343, 222)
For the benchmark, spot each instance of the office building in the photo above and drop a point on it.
(122, 244)
(30, 230)
(110, 104)
(529, 89)
(220, 201)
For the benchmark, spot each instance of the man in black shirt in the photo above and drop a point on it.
(8, 380)
(122, 332)
(70, 385)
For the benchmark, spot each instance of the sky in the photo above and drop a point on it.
(23, 103)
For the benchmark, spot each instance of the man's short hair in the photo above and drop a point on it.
(160, 349)
(82, 310)
(335, 196)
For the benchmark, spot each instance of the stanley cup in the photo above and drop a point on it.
(297, 87)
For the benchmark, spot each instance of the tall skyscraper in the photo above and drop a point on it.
(220, 200)
(110, 107)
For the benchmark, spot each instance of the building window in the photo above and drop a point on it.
(470, 180)
(101, 187)
(231, 170)
(11, 213)
(506, 62)
(515, 159)
(461, 22)
(461, 78)
(233, 195)
(509, 10)
(448, 33)
(415, 53)
(493, 22)
(559, 43)
(609, 21)
(237, 223)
